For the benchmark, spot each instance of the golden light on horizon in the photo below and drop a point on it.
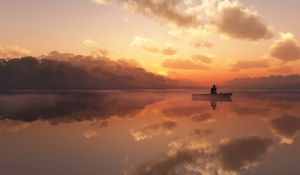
(232, 39)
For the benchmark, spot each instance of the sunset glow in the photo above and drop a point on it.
(204, 42)
(149, 87)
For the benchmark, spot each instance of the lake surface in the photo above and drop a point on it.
(148, 133)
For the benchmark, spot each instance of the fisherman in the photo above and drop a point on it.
(213, 90)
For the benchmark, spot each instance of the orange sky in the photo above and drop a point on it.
(208, 41)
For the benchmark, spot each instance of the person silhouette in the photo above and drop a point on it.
(213, 90)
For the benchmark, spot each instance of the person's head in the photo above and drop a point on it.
(214, 86)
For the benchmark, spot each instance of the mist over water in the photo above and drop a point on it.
(148, 133)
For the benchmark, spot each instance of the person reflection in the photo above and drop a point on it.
(213, 104)
(213, 101)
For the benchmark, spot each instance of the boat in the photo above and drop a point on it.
(220, 96)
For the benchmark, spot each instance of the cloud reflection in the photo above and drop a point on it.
(245, 111)
(71, 107)
(183, 111)
(196, 156)
(202, 132)
(13, 126)
(204, 118)
(237, 154)
(152, 130)
(92, 131)
(286, 128)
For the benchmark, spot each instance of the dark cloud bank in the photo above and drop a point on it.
(271, 82)
(68, 71)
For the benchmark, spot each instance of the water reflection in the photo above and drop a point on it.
(194, 156)
(94, 126)
(183, 111)
(12, 126)
(213, 101)
(71, 107)
(151, 130)
(248, 111)
(148, 133)
(286, 127)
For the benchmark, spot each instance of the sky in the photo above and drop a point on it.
(206, 41)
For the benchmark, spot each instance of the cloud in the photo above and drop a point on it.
(250, 64)
(93, 48)
(201, 44)
(228, 17)
(70, 71)
(270, 82)
(100, 52)
(186, 64)
(202, 58)
(286, 48)
(286, 128)
(130, 61)
(236, 154)
(150, 46)
(164, 10)
(284, 69)
(90, 43)
(169, 50)
(152, 130)
(13, 51)
(239, 22)
(194, 36)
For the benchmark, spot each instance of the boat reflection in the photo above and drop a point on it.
(213, 101)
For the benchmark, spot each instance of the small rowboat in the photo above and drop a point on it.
(212, 96)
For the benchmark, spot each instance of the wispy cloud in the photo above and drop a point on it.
(12, 51)
(250, 64)
(93, 48)
(202, 58)
(152, 46)
(184, 64)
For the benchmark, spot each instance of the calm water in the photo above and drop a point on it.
(148, 133)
